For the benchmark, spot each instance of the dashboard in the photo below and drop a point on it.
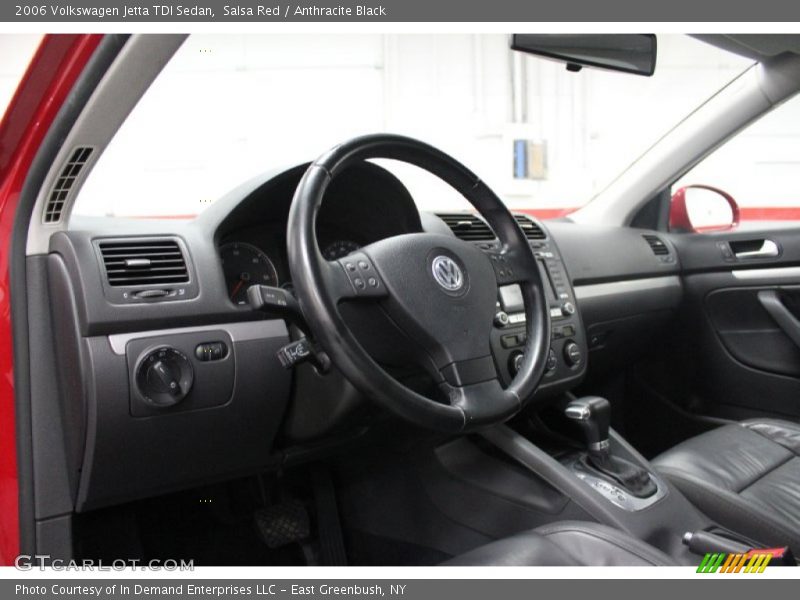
(141, 298)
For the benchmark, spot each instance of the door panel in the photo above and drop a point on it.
(740, 326)
(750, 333)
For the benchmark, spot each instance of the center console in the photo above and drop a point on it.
(612, 483)
(566, 363)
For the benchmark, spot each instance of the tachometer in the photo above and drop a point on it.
(339, 249)
(245, 265)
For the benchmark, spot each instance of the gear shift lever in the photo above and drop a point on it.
(592, 414)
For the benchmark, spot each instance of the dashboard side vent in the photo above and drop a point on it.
(657, 245)
(530, 228)
(143, 262)
(468, 227)
(66, 179)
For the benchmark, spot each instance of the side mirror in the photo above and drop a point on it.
(699, 208)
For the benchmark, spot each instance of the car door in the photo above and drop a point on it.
(741, 322)
(740, 326)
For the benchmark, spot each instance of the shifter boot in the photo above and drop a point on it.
(634, 479)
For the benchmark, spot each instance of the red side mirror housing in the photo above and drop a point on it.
(701, 208)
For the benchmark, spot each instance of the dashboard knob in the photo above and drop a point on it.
(501, 319)
(572, 354)
(568, 308)
(164, 376)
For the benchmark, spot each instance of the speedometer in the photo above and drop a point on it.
(339, 249)
(245, 265)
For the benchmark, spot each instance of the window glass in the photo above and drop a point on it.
(759, 167)
(228, 107)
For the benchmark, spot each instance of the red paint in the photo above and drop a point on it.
(751, 213)
(679, 215)
(51, 75)
(545, 213)
(770, 213)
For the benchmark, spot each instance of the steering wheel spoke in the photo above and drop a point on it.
(355, 276)
(470, 371)
(509, 267)
(483, 403)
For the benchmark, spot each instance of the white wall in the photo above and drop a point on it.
(760, 167)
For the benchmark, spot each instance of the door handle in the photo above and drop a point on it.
(769, 249)
(790, 324)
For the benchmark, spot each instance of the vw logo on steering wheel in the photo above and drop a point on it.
(447, 273)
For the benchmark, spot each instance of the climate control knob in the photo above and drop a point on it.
(572, 354)
(164, 376)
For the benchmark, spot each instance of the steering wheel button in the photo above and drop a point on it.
(372, 282)
(350, 266)
(359, 283)
(363, 265)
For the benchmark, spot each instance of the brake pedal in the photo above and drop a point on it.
(283, 524)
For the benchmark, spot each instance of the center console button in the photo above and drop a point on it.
(572, 354)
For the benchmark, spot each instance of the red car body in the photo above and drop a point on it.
(51, 75)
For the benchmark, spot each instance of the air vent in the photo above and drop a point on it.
(66, 179)
(530, 228)
(468, 227)
(657, 245)
(143, 262)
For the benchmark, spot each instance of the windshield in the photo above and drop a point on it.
(227, 108)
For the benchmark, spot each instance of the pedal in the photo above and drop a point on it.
(331, 542)
(283, 524)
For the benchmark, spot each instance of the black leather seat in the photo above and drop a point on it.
(744, 476)
(566, 543)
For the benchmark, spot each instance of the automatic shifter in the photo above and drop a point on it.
(593, 415)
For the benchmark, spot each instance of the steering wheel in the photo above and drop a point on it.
(439, 290)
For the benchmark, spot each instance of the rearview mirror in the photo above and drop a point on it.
(698, 208)
(629, 53)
